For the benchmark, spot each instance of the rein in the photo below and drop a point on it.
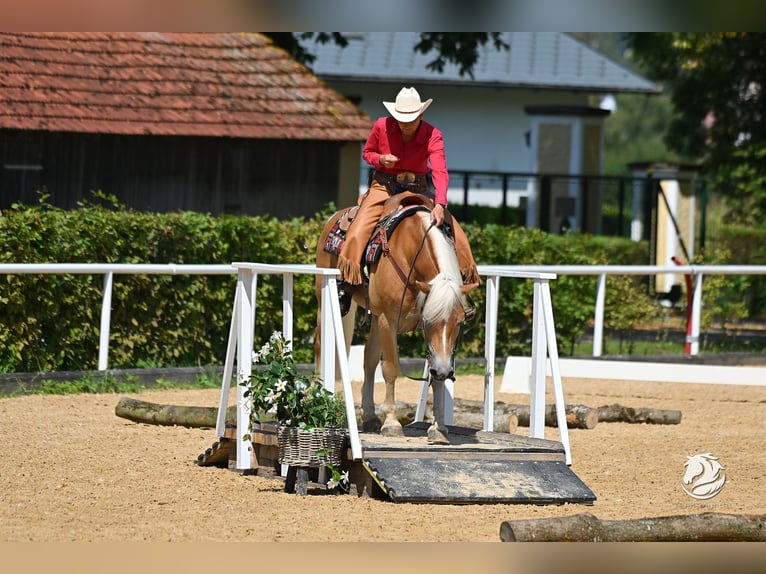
(408, 285)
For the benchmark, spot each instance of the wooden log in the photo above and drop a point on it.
(463, 416)
(621, 414)
(158, 414)
(585, 527)
(577, 416)
(467, 413)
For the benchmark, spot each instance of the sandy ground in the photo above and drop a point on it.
(73, 471)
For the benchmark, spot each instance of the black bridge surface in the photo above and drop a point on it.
(476, 467)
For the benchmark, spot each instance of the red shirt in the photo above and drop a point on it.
(426, 150)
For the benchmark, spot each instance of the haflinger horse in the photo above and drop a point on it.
(415, 283)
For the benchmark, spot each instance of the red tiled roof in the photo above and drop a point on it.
(237, 85)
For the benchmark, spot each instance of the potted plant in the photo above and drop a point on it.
(312, 427)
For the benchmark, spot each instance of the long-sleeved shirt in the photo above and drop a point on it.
(424, 151)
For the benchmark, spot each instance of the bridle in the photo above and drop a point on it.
(408, 285)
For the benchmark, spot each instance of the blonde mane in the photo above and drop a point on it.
(445, 287)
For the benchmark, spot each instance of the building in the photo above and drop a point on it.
(526, 110)
(218, 123)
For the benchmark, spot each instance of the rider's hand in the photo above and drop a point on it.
(437, 215)
(388, 160)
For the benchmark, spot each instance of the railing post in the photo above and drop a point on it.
(246, 286)
(598, 319)
(539, 358)
(694, 335)
(287, 307)
(490, 334)
(106, 318)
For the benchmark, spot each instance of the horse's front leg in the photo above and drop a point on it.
(437, 432)
(390, 368)
(370, 421)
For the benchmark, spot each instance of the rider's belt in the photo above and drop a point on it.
(399, 182)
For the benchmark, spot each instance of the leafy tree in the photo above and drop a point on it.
(716, 82)
(460, 48)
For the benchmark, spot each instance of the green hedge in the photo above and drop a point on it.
(51, 322)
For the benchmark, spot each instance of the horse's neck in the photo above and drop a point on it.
(410, 241)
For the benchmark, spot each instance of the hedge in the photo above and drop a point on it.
(51, 322)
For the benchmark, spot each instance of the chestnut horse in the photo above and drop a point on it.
(417, 284)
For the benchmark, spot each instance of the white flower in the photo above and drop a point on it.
(276, 336)
(272, 410)
(281, 386)
(332, 483)
(271, 397)
(256, 357)
(344, 477)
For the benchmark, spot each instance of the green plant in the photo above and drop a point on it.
(282, 393)
(339, 478)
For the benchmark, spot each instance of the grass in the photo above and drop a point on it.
(107, 384)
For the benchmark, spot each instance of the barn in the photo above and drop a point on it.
(214, 123)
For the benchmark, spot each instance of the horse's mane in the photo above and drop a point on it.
(445, 287)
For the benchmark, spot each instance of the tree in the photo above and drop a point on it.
(460, 48)
(716, 81)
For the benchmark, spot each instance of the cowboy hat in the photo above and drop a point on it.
(408, 105)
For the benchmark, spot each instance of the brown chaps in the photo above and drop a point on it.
(370, 211)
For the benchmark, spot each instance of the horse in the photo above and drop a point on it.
(415, 283)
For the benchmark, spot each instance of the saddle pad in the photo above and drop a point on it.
(337, 235)
(335, 238)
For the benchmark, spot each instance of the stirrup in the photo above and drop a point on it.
(345, 291)
(470, 310)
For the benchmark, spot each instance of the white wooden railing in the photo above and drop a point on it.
(698, 272)
(108, 270)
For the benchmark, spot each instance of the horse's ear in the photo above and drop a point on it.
(466, 289)
(423, 286)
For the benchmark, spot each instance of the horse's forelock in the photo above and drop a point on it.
(445, 295)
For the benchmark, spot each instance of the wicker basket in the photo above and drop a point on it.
(298, 447)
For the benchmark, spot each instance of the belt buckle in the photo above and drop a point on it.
(405, 178)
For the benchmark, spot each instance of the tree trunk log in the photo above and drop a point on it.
(707, 527)
(467, 413)
(577, 416)
(619, 414)
(156, 414)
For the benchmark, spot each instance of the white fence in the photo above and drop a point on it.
(108, 270)
(698, 272)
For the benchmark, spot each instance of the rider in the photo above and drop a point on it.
(401, 148)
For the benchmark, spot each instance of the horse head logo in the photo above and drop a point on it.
(704, 475)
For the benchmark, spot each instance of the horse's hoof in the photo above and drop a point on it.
(436, 436)
(371, 426)
(392, 431)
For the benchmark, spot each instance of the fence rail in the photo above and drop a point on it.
(697, 272)
(108, 270)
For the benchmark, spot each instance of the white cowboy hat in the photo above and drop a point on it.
(408, 105)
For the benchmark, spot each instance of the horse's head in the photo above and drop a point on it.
(444, 313)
